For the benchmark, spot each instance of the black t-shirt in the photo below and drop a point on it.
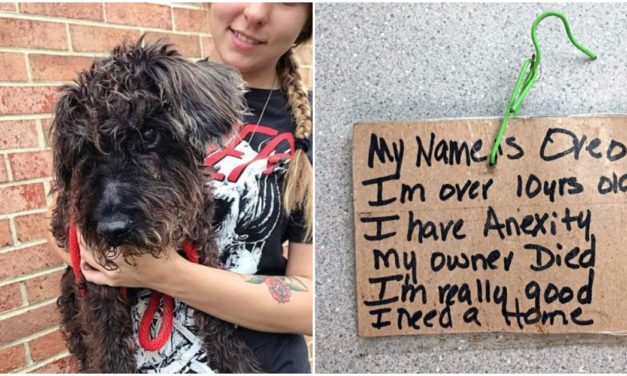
(250, 221)
(247, 183)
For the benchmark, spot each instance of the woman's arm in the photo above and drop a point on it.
(281, 304)
(265, 303)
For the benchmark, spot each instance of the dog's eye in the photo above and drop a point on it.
(149, 137)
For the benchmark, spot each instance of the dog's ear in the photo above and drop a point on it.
(218, 105)
(206, 97)
(65, 134)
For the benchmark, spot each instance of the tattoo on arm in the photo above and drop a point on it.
(280, 287)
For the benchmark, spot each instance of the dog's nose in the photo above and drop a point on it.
(114, 229)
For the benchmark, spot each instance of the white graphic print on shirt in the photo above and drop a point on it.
(183, 353)
(245, 183)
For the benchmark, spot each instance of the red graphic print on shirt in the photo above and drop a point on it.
(246, 189)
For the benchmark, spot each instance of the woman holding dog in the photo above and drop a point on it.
(262, 185)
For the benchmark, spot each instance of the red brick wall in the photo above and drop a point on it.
(43, 45)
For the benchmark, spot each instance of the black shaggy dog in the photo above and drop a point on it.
(129, 140)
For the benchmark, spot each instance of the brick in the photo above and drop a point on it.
(99, 39)
(35, 164)
(150, 15)
(5, 233)
(188, 45)
(18, 134)
(8, 7)
(12, 67)
(68, 364)
(193, 20)
(57, 68)
(32, 34)
(32, 226)
(86, 11)
(4, 176)
(22, 197)
(27, 260)
(29, 322)
(10, 297)
(47, 346)
(208, 45)
(27, 100)
(44, 287)
(12, 358)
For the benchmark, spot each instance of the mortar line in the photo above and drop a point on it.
(33, 84)
(25, 302)
(25, 212)
(30, 337)
(29, 74)
(45, 51)
(38, 273)
(24, 294)
(6, 152)
(42, 363)
(25, 117)
(21, 310)
(40, 133)
(73, 21)
(29, 359)
(172, 18)
(13, 230)
(183, 5)
(68, 38)
(202, 50)
(104, 12)
(47, 186)
(23, 182)
(22, 245)
(92, 55)
(7, 167)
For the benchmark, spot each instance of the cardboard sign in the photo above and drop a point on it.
(536, 244)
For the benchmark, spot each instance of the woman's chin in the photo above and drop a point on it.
(243, 66)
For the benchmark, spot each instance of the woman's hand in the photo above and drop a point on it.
(144, 273)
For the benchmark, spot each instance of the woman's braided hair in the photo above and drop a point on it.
(298, 186)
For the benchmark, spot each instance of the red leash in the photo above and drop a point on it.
(165, 331)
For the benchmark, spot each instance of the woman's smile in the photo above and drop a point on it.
(243, 42)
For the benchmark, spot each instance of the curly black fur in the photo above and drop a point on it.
(129, 139)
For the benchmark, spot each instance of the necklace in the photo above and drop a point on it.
(263, 110)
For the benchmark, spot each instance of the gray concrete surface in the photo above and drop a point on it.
(418, 61)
